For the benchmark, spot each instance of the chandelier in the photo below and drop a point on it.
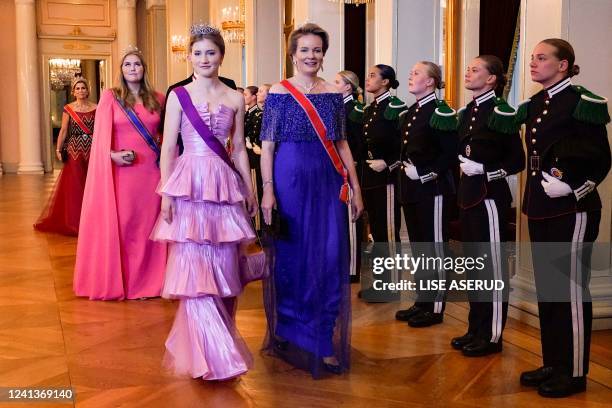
(232, 23)
(355, 2)
(62, 71)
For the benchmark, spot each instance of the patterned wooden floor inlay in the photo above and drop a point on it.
(109, 353)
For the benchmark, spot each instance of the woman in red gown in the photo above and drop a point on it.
(62, 213)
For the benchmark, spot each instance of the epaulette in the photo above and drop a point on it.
(591, 108)
(502, 119)
(444, 117)
(522, 110)
(356, 115)
(394, 108)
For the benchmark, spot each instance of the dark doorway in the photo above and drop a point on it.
(355, 40)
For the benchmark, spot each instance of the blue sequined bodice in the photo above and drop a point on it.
(285, 121)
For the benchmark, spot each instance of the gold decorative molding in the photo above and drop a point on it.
(76, 46)
(82, 13)
(451, 46)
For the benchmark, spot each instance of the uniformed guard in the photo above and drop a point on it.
(347, 83)
(376, 170)
(426, 186)
(252, 125)
(568, 156)
(490, 148)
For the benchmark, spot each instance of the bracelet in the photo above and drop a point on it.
(266, 182)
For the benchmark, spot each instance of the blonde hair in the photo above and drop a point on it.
(352, 79)
(146, 93)
(435, 72)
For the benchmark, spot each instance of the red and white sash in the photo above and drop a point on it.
(321, 131)
(78, 120)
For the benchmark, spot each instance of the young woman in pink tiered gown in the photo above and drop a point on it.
(206, 210)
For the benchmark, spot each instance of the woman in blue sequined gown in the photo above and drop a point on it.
(307, 296)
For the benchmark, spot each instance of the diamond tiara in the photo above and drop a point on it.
(203, 29)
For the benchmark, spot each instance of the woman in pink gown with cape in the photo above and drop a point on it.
(206, 208)
(115, 258)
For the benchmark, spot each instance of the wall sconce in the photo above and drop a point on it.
(178, 45)
(232, 23)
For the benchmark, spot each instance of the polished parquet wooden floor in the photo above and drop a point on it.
(110, 352)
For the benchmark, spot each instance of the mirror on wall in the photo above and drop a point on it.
(62, 72)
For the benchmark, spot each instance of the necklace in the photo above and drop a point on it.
(81, 107)
(308, 89)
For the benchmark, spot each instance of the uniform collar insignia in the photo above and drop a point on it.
(426, 99)
(484, 97)
(382, 97)
(558, 87)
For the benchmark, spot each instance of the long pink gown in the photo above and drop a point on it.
(209, 223)
(115, 258)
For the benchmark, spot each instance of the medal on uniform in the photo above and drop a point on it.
(556, 173)
(468, 151)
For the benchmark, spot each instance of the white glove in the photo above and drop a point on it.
(470, 167)
(249, 145)
(256, 149)
(554, 187)
(411, 171)
(377, 165)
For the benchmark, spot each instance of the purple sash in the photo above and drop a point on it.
(201, 127)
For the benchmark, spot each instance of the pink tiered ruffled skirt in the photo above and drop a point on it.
(209, 223)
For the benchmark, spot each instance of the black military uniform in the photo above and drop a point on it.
(429, 142)
(354, 139)
(489, 136)
(252, 127)
(566, 138)
(381, 142)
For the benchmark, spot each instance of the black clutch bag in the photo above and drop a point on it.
(277, 228)
(64, 153)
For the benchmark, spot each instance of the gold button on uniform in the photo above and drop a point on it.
(547, 102)
(539, 120)
(545, 112)
(405, 142)
(414, 117)
(410, 124)
(470, 127)
(533, 173)
(473, 119)
(475, 109)
(533, 141)
(534, 130)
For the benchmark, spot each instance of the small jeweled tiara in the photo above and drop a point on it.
(131, 49)
(203, 29)
(78, 79)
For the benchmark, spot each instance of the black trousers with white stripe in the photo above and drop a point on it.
(427, 222)
(565, 327)
(482, 231)
(355, 233)
(384, 221)
(383, 214)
